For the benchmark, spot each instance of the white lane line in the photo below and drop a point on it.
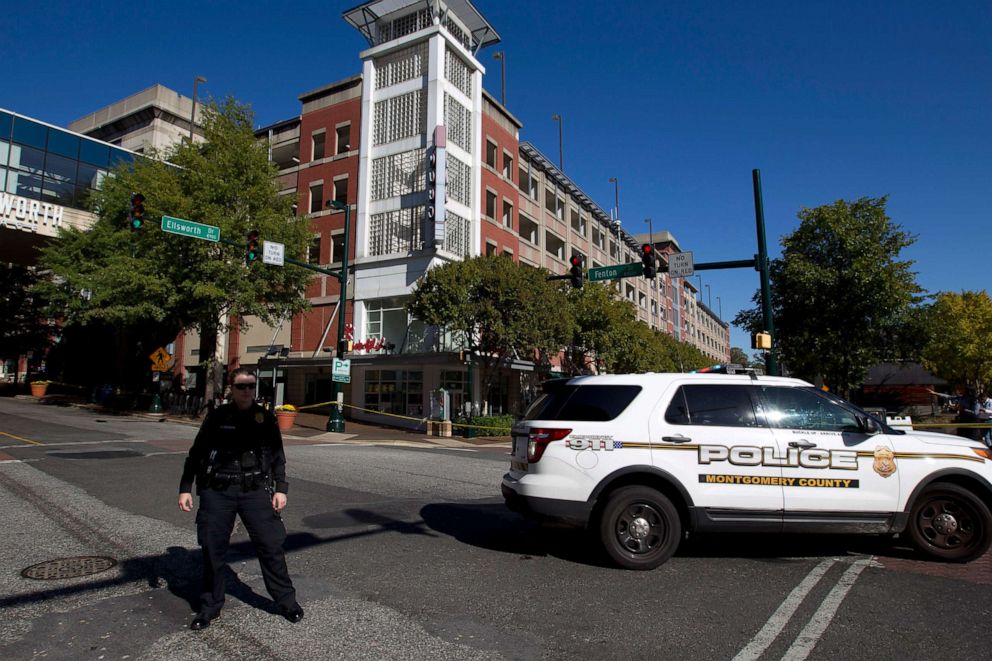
(810, 635)
(773, 627)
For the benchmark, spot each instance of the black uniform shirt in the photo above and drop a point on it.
(231, 431)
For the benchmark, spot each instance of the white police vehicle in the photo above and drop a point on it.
(645, 458)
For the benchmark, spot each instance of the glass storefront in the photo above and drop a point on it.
(400, 392)
(52, 165)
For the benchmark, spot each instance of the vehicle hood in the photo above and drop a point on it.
(947, 440)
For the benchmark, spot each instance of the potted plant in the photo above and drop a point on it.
(286, 416)
(38, 388)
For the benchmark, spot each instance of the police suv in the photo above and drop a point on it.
(643, 459)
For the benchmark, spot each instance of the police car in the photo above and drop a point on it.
(643, 459)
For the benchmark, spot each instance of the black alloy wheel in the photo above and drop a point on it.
(950, 523)
(639, 527)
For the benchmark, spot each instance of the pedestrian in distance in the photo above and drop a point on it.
(239, 467)
(983, 413)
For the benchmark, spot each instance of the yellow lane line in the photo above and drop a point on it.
(18, 438)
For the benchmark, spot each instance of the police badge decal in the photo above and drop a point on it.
(885, 461)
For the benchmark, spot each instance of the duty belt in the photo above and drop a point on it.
(248, 481)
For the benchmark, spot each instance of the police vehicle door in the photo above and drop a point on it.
(830, 462)
(712, 438)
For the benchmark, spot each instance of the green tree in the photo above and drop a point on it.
(497, 309)
(23, 316)
(839, 292)
(961, 346)
(739, 357)
(150, 279)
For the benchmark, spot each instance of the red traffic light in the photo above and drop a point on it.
(253, 235)
(575, 260)
(647, 248)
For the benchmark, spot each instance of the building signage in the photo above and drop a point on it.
(27, 215)
(436, 185)
(341, 370)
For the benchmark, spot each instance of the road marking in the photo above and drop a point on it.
(807, 639)
(19, 438)
(773, 627)
(810, 635)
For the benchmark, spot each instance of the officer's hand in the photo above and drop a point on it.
(278, 501)
(186, 502)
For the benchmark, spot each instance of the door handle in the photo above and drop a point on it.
(676, 439)
(805, 445)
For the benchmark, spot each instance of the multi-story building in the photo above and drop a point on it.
(372, 142)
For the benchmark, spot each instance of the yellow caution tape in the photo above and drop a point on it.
(505, 430)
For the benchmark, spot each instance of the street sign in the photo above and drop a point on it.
(273, 253)
(680, 265)
(160, 360)
(341, 370)
(612, 272)
(189, 228)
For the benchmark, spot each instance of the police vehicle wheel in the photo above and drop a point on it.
(949, 523)
(639, 527)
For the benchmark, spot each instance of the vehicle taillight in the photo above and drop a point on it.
(538, 439)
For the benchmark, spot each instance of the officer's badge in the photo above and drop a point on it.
(885, 461)
(259, 418)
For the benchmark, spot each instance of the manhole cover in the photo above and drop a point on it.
(52, 570)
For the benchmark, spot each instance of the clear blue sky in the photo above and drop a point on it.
(679, 100)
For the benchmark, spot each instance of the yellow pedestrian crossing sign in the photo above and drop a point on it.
(160, 360)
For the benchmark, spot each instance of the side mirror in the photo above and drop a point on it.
(870, 425)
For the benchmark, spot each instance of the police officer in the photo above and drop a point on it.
(239, 466)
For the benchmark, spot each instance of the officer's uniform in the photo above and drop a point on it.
(238, 462)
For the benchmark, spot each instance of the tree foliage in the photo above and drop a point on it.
(23, 318)
(840, 292)
(499, 310)
(133, 278)
(961, 347)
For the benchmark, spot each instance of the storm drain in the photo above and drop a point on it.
(85, 565)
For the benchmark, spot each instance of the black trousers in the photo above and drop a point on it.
(214, 524)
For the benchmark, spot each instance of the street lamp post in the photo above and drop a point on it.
(501, 56)
(616, 194)
(700, 290)
(719, 308)
(192, 114)
(561, 159)
(709, 297)
(335, 421)
(650, 232)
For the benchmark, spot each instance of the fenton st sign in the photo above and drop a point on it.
(28, 215)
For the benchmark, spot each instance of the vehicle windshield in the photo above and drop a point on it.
(840, 401)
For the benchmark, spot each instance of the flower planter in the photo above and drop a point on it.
(285, 419)
(38, 389)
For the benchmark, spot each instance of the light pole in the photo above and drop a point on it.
(719, 308)
(709, 297)
(501, 56)
(700, 290)
(650, 232)
(335, 421)
(561, 159)
(192, 114)
(616, 194)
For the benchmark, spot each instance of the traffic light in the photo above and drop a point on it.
(136, 215)
(575, 274)
(647, 260)
(252, 251)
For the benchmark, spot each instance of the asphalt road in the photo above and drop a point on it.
(409, 553)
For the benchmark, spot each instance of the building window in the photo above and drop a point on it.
(318, 139)
(490, 204)
(528, 229)
(508, 165)
(400, 392)
(337, 247)
(399, 117)
(491, 249)
(403, 65)
(491, 154)
(316, 197)
(554, 245)
(458, 182)
(458, 119)
(554, 204)
(528, 183)
(399, 174)
(458, 73)
(395, 231)
(507, 214)
(578, 222)
(313, 252)
(343, 134)
(341, 190)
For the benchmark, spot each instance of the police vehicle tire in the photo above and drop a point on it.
(639, 527)
(950, 523)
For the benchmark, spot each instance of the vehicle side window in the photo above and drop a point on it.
(801, 408)
(712, 405)
(585, 403)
